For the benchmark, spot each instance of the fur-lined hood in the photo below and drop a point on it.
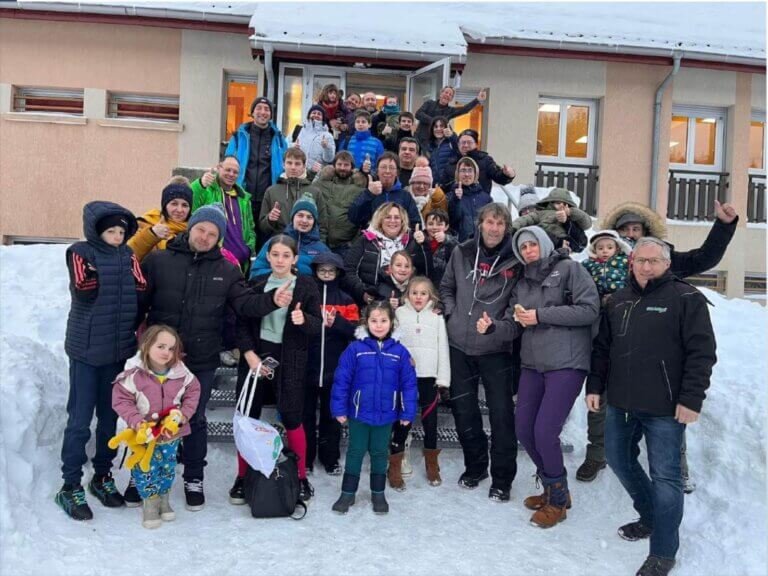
(328, 173)
(613, 235)
(653, 223)
(361, 333)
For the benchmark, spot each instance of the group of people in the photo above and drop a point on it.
(372, 287)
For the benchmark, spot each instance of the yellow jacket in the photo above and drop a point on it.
(144, 241)
(438, 201)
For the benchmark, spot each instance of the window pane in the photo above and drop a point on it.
(473, 120)
(678, 140)
(704, 141)
(239, 98)
(548, 136)
(576, 131)
(757, 145)
(292, 95)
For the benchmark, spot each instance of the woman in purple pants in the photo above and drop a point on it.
(553, 308)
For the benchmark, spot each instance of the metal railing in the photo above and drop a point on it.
(692, 194)
(578, 178)
(756, 198)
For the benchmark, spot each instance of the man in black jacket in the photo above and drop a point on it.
(653, 356)
(441, 107)
(189, 287)
(488, 171)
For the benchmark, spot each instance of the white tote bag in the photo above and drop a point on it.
(258, 442)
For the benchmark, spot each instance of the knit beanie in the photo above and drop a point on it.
(263, 100)
(472, 134)
(213, 213)
(112, 220)
(319, 109)
(528, 198)
(306, 203)
(174, 191)
(421, 174)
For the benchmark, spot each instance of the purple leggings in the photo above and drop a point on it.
(544, 401)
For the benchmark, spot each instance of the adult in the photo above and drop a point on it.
(404, 129)
(259, 147)
(465, 199)
(634, 221)
(366, 262)
(315, 140)
(347, 127)
(653, 357)
(477, 283)
(407, 153)
(442, 148)
(426, 197)
(386, 189)
(560, 305)
(370, 103)
(219, 186)
(159, 226)
(488, 171)
(338, 187)
(189, 287)
(431, 109)
(335, 111)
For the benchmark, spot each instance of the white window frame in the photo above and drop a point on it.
(561, 158)
(759, 116)
(465, 95)
(112, 96)
(234, 77)
(19, 92)
(692, 113)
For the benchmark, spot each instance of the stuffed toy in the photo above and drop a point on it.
(142, 442)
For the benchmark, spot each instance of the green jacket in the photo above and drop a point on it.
(286, 192)
(214, 194)
(336, 196)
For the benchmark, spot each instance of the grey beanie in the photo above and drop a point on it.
(629, 218)
(528, 198)
(213, 213)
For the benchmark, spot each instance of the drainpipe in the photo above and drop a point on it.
(268, 51)
(657, 131)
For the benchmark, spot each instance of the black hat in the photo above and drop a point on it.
(112, 220)
(263, 100)
(471, 133)
(319, 108)
(174, 191)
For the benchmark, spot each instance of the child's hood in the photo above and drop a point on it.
(361, 333)
(613, 235)
(95, 211)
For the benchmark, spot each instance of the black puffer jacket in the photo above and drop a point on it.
(190, 291)
(655, 348)
(429, 111)
(490, 172)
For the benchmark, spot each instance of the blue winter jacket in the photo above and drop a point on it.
(375, 382)
(442, 155)
(309, 246)
(361, 143)
(463, 213)
(363, 207)
(240, 147)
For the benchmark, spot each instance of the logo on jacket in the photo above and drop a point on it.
(217, 279)
(658, 309)
(555, 274)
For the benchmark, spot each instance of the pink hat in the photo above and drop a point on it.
(421, 174)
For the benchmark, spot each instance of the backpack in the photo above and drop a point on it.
(276, 496)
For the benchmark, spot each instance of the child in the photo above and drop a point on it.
(440, 243)
(608, 262)
(154, 381)
(528, 200)
(104, 279)
(386, 120)
(374, 385)
(340, 316)
(364, 147)
(393, 286)
(426, 338)
(283, 335)
(558, 215)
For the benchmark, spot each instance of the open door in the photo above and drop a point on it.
(425, 83)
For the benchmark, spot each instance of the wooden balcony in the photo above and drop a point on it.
(756, 198)
(578, 178)
(692, 194)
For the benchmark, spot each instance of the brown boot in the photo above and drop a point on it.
(553, 512)
(433, 468)
(538, 502)
(395, 472)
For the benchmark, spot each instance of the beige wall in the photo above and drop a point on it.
(758, 91)
(59, 166)
(701, 87)
(205, 57)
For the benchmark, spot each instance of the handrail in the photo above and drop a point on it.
(703, 172)
(588, 166)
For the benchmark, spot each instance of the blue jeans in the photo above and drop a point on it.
(195, 445)
(90, 388)
(658, 499)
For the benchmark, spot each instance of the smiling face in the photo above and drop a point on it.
(178, 210)
(387, 171)
(162, 352)
(406, 124)
(229, 170)
(466, 174)
(418, 295)
(281, 259)
(633, 230)
(316, 115)
(492, 230)
(446, 95)
(114, 235)
(530, 252)
(262, 114)
(392, 224)
(303, 221)
(353, 102)
(438, 130)
(401, 268)
(648, 263)
(435, 226)
(379, 324)
(369, 101)
(467, 144)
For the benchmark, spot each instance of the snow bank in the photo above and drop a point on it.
(445, 530)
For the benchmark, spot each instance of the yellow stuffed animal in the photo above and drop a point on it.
(142, 442)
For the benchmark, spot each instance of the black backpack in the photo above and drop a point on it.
(278, 495)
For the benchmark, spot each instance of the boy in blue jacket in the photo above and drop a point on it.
(364, 146)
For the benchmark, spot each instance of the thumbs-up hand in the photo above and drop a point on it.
(418, 235)
(724, 212)
(509, 172)
(374, 188)
(367, 164)
(161, 229)
(283, 295)
(459, 192)
(329, 317)
(274, 214)
(439, 236)
(297, 316)
(208, 178)
(297, 144)
(387, 130)
(324, 142)
(483, 323)
(394, 301)
(561, 216)
(316, 166)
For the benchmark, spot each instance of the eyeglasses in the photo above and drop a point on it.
(386, 168)
(466, 170)
(419, 185)
(652, 261)
(326, 270)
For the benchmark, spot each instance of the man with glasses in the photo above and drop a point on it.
(653, 356)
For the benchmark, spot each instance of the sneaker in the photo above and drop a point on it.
(306, 491)
(655, 566)
(635, 531)
(237, 492)
(71, 498)
(471, 481)
(193, 491)
(588, 470)
(151, 513)
(689, 486)
(131, 495)
(227, 358)
(103, 487)
(334, 469)
(498, 494)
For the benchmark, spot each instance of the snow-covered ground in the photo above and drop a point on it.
(442, 530)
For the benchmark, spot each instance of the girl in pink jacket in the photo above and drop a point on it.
(155, 381)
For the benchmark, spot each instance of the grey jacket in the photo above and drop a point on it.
(467, 292)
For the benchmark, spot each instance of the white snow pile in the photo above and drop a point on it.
(442, 530)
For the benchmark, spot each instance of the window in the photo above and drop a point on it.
(241, 92)
(143, 106)
(48, 100)
(472, 120)
(566, 131)
(292, 98)
(757, 142)
(696, 139)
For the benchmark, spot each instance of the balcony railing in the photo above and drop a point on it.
(756, 198)
(692, 194)
(578, 178)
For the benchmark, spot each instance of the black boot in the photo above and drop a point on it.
(378, 484)
(348, 489)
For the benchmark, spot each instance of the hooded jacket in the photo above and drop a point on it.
(463, 212)
(488, 171)
(286, 192)
(336, 195)
(310, 140)
(362, 209)
(137, 393)
(431, 109)
(684, 264)
(375, 382)
(240, 147)
(215, 194)
(425, 336)
(545, 216)
(144, 241)
(609, 275)
(361, 143)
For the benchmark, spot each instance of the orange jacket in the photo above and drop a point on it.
(144, 241)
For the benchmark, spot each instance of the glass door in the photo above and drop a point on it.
(425, 83)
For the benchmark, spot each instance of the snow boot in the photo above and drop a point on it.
(333, 469)
(539, 501)
(378, 485)
(655, 566)
(103, 487)
(131, 495)
(306, 490)
(635, 531)
(556, 493)
(470, 480)
(166, 512)
(71, 498)
(432, 466)
(689, 486)
(587, 472)
(237, 492)
(348, 489)
(395, 472)
(151, 517)
(407, 469)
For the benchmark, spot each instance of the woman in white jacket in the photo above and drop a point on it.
(422, 331)
(315, 140)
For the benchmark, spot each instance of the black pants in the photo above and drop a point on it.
(326, 444)
(195, 445)
(429, 398)
(496, 371)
